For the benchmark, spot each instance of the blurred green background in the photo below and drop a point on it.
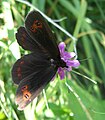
(85, 20)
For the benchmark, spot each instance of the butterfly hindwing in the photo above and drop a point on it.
(31, 86)
(39, 30)
(28, 65)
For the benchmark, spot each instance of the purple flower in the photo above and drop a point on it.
(66, 57)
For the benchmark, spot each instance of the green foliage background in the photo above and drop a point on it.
(85, 20)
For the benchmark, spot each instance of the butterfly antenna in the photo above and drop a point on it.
(85, 59)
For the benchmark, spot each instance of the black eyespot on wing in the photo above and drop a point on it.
(39, 30)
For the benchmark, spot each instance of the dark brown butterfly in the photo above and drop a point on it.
(34, 71)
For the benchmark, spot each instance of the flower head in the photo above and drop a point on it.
(66, 57)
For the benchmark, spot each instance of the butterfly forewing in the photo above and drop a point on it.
(39, 30)
(25, 41)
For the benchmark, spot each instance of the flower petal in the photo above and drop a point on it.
(61, 73)
(72, 54)
(68, 55)
(61, 47)
(73, 63)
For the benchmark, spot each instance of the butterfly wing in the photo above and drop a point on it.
(29, 64)
(32, 85)
(25, 41)
(39, 31)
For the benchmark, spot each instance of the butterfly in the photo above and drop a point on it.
(34, 71)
